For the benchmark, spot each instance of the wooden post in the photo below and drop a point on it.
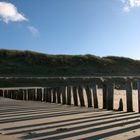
(110, 96)
(75, 97)
(13, 94)
(138, 87)
(39, 94)
(45, 94)
(1, 93)
(95, 98)
(54, 95)
(81, 97)
(104, 96)
(68, 95)
(25, 94)
(20, 94)
(16, 94)
(88, 93)
(63, 95)
(42, 93)
(5, 93)
(31, 94)
(49, 95)
(36, 99)
(9, 93)
(129, 96)
(58, 95)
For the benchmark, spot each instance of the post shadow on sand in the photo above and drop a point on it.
(69, 122)
(120, 105)
(42, 116)
(60, 121)
(96, 115)
(89, 130)
(135, 138)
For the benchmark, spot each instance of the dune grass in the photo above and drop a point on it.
(29, 63)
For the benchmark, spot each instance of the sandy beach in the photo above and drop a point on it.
(42, 121)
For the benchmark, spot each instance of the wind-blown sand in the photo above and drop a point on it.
(44, 121)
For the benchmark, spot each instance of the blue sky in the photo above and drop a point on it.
(99, 27)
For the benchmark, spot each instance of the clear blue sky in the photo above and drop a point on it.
(99, 27)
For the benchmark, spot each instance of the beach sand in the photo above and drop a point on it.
(47, 121)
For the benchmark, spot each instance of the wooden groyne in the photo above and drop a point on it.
(71, 91)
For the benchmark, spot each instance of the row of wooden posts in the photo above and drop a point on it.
(73, 95)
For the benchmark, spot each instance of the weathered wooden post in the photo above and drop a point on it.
(104, 96)
(95, 98)
(13, 94)
(16, 94)
(9, 94)
(42, 90)
(35, 94)
(1, 93)
(49, 95)
(129, 96)
(138, 87)
(45, 94)
(5, 93)
(31, 94)
(68, 95)
(20, 94)
(54, 95)
(81, 97)
(88, 93)
(39, 94)
(75, 96)
(25, 94)
(63, 89)
(58, 92)
(110, 96)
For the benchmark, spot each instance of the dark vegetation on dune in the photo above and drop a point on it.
(28, 63)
